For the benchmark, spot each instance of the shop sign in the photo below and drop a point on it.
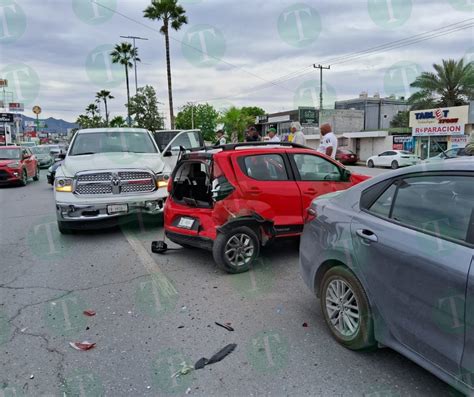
(441, 121)
(458, 141)
(403, 142)
(262, 119)
(278, 119)
(308, 115)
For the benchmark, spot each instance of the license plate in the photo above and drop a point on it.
(117, 208)
(186, 223)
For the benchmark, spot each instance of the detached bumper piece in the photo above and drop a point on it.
(193, 241)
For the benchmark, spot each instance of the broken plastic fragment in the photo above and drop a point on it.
(82, 345)
(220, 355)
(89, 313)
(305, 325)
(185, 369)
(188, 390)
(226, 326)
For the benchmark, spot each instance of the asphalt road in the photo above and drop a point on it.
(155, 312)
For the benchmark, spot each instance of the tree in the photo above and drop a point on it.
(253, 111)
(87, 121)
(401, 120)
(170, 13)
(92, 110)
(118, 122)
(451, 85)
(235, 122)
(144, 106)
(124, 54)
(205, 119)
(104, 95)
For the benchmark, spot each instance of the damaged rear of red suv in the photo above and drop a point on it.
(234, 199)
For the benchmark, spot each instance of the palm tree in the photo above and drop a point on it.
(451, 85)
(104, 95)
(124, 54)
(169, 12)
(92, 110)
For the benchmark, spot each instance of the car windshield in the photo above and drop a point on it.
(40, 150)
(112, 142)
(10, 154)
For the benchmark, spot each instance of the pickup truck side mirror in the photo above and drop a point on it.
(61, 156)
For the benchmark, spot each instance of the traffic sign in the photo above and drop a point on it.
(16, 107)
(36, 109)
(6, 117)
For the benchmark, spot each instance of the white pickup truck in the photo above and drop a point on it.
(113, 172)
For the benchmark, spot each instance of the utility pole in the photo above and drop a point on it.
(321, 67)
(134, 57)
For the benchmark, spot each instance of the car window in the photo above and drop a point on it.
(316, 168)
(440, 205)
(188, 140)
(383, 205)
(265, 167)
(383, 154)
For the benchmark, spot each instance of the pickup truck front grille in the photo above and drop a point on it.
(114, 183)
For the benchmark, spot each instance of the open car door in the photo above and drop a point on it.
(184, 141)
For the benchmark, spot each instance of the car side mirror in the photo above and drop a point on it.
(61, 156)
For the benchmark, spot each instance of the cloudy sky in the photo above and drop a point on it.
(247, 52)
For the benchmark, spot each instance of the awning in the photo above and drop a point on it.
(366, 134)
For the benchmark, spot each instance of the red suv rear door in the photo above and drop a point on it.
(269, 189)
(315, 175)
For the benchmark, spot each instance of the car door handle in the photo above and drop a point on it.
(367, 235)
(310, 191)
(255, 191)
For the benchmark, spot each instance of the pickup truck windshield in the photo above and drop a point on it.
(112, 142)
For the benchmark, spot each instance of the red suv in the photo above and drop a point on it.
(236, 198)
(17, 164)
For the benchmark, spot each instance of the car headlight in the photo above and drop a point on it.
(14, 164)
(162, 180)
(63, 185)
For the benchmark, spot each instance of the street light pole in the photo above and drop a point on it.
(135, 57)
(321, 67)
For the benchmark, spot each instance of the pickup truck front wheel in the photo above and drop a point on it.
(63, 229)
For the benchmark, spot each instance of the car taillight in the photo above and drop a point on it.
(310, 215)
(170, 185)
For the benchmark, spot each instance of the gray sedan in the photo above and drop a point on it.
(391, 260)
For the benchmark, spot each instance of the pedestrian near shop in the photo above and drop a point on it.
(297, 131)
(221, 139)
(252, 135)
(328, 141)
(272, 136)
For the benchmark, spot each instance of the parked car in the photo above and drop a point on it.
(113, 172)
(234, 199)
(17, 165)
(393, 159)
(447, 154)
(50, 176)
(346, 156)
(28, 144)
(391, 261)
(43, 155)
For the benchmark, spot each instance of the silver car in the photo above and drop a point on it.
(392, 261)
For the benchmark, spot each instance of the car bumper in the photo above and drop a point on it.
(45, 163)
(193, 241)
(70, 208)
(8, 176)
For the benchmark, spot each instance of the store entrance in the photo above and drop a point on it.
(432, 146)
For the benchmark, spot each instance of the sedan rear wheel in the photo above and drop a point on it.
(394, 165)
(346, 309)
(236, 250)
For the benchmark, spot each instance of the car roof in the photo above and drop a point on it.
(95, 130)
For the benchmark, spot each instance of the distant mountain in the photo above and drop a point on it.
(53, 125)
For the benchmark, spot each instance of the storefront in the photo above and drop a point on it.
(437, 130)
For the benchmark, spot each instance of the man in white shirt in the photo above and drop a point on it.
(297, 131)
(328, 141)
(272, 136)
(220, 138)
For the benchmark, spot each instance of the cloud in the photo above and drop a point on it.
(258, 48)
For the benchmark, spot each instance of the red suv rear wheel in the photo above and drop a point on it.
(236, 250)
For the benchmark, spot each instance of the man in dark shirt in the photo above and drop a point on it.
(252, 135)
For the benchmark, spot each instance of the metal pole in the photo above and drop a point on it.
(192, 116)
(321, 67)
(135, 57)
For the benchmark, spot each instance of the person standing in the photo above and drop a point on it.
(221, 140)
(252, 135)
(328, 141)
(272, 136)
(297, 131)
